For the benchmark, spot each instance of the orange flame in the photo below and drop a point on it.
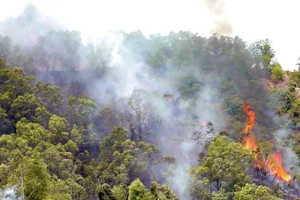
(250, 142)
(276, 168)
(203, 123)
(274, 163)
(250, 118)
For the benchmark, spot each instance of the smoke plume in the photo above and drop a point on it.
(222, 25)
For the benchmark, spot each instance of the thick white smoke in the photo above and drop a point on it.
(179, 118)
(9, 194)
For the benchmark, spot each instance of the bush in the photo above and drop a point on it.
(276, 72)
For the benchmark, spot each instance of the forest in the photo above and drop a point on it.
(164, 117)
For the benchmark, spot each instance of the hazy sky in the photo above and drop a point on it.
(250, 19)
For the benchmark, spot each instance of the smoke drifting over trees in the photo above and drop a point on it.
(131, 113)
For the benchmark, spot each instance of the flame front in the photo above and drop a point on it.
(250, 141)
(274, 163)
(276, 168)
(250, 117)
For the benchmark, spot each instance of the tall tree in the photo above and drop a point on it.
(224, 166)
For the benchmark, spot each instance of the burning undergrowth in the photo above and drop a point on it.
(274, 162)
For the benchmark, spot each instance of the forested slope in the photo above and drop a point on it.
(132, 117)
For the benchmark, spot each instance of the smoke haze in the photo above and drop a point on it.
(222, 24)
(116, 73)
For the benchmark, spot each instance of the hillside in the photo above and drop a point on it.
(178, 116)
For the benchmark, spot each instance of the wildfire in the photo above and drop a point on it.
(250, 142)
(250, 139)
(203, 123)
(276, 168)
(274, 163)
(250, 118)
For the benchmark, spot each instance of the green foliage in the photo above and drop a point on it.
(57, 126)
(59, 190)
(120, 192)
(13, 105)
(33, 133)
(105, 193)
(79, 110)
(295, 78)
(162, 192)
(49, 95)
(224, 167)
(262, 50)
(53, 146)
(276, 72)
(137, 191)
(25, 106)
(122, 159)
(221, 195)
(36, 179)
(253, 192)
(189, 86)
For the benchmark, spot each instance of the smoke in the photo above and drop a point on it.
(145, 102)
(222, 25)
(155, 102)
(289, 157)
(222, 28)
(151, 102)
(25, 29)
(9, 194)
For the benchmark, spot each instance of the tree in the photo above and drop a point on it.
(120, 192)
(25, 106)
(117, 157)
(49, 95)
(34, 133)
(58, 51)
(189, 86)
(17, 169)
(59, 190)
(162, 192)
(30, 174)
(99, 55)
(224, 166)
(105, 193)
(57, 126)
(254, 192)
(221, 195)
(79, 110)
(36, 178)
(263, 53)
(5, 48)
(137, 44)
(123, 160)
(276, 72)
(137, 191)
(14, 84)
(138, 115)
